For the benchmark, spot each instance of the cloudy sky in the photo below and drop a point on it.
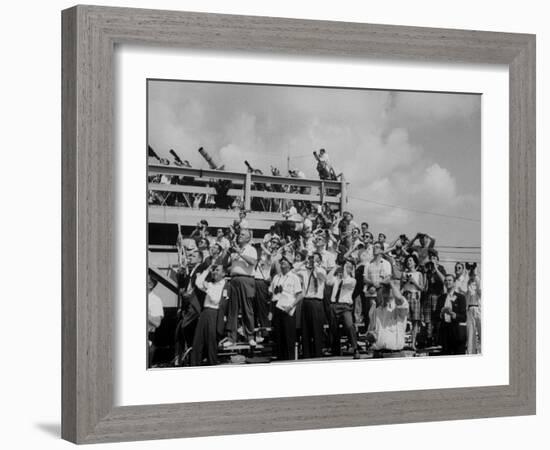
(418, 152)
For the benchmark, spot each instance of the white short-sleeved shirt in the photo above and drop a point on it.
(328, 260)
(240, 267)
(214, 290)
(346, 292)
(377, 270)
(154, 308)
(389, 326)
(309, 284)
(291, 286)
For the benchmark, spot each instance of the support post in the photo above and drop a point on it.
(247, 189)
(343, 194)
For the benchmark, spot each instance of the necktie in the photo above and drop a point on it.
(338, 291)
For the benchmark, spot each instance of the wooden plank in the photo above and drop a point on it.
(163, 279)
(158, 169)
(295, 196)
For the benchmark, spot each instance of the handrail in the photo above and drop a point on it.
(248, 180)
(161, 187)
(159, 169)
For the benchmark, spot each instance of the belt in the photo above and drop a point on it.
(473, 306)
(313, 298)
(239, 275)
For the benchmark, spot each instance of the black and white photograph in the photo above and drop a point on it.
(303, 223)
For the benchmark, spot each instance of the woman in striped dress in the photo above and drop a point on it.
(412, 284)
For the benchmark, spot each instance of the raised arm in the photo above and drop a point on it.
(201, 282)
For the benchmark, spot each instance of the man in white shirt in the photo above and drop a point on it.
(155, 314)
(388, 321)
(328, 259)
(291, 212)
(286, 288)
(221, 239)
(378, 271)
(205, 343)
(242, 289)
(313, 312)
(341, 307)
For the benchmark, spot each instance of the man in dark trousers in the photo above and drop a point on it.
(205, 341)
(286, 288)
(451, 314)
(313, 312)
(342, 285)
(190, 301)
(242, 289)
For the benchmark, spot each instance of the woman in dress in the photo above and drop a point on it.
(412, 284)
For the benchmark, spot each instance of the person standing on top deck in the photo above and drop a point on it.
(324, 167)
(242, 289)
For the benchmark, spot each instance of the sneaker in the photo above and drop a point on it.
(260, 339)
(227, 343)
(252, 343)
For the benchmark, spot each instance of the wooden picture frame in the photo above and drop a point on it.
(89, 37)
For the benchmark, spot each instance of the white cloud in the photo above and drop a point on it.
(367, 134)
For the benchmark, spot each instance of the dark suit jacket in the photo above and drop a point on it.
(459, 308)
(190, 304)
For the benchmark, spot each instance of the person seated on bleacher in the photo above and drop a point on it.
(388, 321)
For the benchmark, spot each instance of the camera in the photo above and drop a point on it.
(278, 289)
(430, 266)
(408, 275)
(471, 267)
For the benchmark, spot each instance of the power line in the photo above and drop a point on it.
(419, 211)
(458, 246)
(458, 252)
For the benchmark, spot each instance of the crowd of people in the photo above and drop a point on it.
(317, 284)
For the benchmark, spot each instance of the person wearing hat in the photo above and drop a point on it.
(286, 289)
